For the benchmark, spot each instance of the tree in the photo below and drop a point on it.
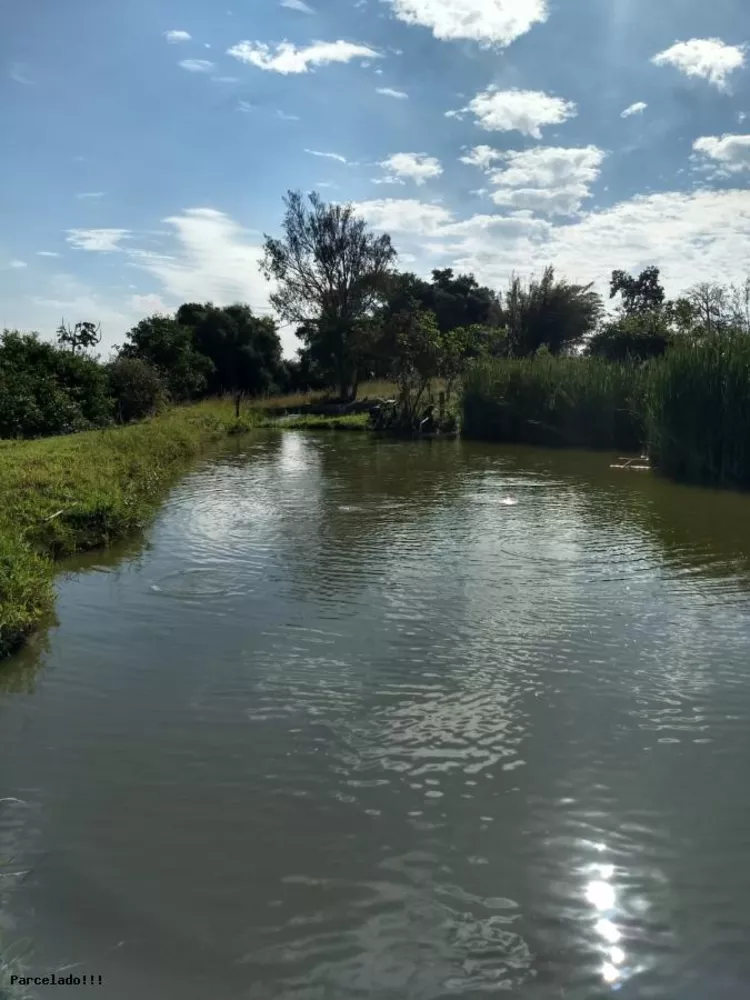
(549, 312)
(82, 335)
(136, 388)
(329, 272)
(170, 347)
(417, 358)
(244, 349)
(711, 307)
(632, 338)
(639, 294)
(46, 389)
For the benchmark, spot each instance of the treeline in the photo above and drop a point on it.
(358, 317)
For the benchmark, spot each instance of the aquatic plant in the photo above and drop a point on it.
(580, 402)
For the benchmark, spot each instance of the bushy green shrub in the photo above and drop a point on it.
(136, 388)
(46, 390)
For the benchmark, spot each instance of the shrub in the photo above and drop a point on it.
(45, 390)
(136, 388)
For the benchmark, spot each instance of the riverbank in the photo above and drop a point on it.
(70, 494)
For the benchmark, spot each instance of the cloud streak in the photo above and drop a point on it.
(286, 58)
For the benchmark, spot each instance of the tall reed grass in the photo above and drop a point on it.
(698, 411)
(573, 402)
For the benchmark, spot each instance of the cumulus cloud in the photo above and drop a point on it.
(417, 167)
(197, 65)
(482, 157)
(98, 240)
(299, 5)
(707, 58)
(697, 236)
(489, 22)
(174, 37)
(526, 111)
(730, 152)
(47, 253)
(548, 179)
(17, 265)
(401, 215)
(635, 109)
(287, 58)
(400, 95)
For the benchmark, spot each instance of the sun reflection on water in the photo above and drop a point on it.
(601, 894)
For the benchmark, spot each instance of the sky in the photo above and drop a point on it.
(147, 145)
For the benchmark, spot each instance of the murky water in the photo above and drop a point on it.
(391, 720)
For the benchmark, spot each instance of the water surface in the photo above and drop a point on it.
(387, 720)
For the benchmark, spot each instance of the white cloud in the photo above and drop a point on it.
(325, 184)
(100, 240)
(328, 156)
(245, 107)
(490, 22)
(634, 109)
(225, 79)
(730, 152)
(547, 179)
(17, 265)
(482, 157)
(215, 259)
(390, 179)
(707, 58)
(525, 111)
(400, 95)
(400, 215)
(287, 117)
(148, 304)
(299, 5)
(90, 195)
(47, 253)
(287, 58)
(177, 36)
(692, 236)
(417, 167)
(197, 65)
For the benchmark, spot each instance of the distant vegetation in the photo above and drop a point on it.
(541, 360)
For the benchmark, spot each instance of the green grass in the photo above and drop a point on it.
(367, 390)
(68, 494)
(698, 412)
(349, 422)
(572, 402)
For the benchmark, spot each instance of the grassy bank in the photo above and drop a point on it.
(572, 402)
(348, 422)
(68, 494)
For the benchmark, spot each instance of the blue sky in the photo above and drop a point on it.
(147, 145)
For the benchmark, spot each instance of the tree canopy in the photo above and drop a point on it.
(329, 272)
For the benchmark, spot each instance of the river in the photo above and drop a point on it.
(389, 720)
